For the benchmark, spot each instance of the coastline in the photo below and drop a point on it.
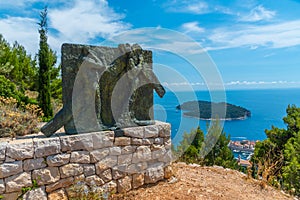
(213, 119)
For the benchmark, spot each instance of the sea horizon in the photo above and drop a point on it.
(267, 106)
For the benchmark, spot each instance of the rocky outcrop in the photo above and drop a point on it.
(97, 161)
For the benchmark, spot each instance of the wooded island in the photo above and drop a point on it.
(203, 110)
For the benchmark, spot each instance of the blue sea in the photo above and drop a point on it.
(267, 106)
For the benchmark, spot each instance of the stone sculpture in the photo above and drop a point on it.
(105, 88)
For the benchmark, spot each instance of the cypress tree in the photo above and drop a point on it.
(46, 60)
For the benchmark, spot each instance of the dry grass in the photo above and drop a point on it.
(18, 120)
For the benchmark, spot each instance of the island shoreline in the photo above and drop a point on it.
(214, 119)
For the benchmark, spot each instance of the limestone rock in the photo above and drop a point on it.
(62, 183)
(137, 168)
(8, 169)
(103, 139)
(2, 150)
(32, 164)
(111, 187)
(58, 195)
(106, 175)
(38, 193)
(76, 142)
(118, 173)
(46, 176)
(20, 151)
(137, 180)
(168, 143)
(164, 129)
(2, 186)
(89, 169)
(124, 159)
(143, 153)
(128, 149)
(94, 180)
(154, 173)
(46, 146)
(124, 184)
(99, 154)
(159, 152)
(79, 178)
(58, 160)
(71, 170)
(122, 141)
(115, 151)
(9, 159)
(151, 131)
(17, 182)
(148, 141)
(13, 195)
(167, 157)
(136, 132)
(107, 162)
(80, 157)
(136, 141)
(158, 141)
(73, 193)
(168, 172)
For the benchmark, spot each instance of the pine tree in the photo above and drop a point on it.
(195, 149)
(18, 72)
(47, 59)
(276, 159)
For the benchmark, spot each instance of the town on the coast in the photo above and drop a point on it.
(243, 150)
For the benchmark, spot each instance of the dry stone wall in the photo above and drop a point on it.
(110, 161)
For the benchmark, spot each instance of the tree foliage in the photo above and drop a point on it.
(17, 71)
(17, 66)
(277, 159)
(203, 109)
(47, 60)
(195, 148)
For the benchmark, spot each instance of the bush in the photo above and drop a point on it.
(9, 89)
(195, 148)
(18, 120)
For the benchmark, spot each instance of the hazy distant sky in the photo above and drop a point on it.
(254, 44)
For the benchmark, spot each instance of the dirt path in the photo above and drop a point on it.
(207, 183)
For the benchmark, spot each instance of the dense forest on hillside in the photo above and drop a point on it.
(203, 110)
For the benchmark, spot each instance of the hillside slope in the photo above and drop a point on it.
(207, 183)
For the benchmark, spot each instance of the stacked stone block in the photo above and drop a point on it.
(122, 160)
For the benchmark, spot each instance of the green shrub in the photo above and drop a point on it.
(9, 89)
(195, 148)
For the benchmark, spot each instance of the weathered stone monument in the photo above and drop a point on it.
(105, 88)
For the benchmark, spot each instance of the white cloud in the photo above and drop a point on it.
(260, 82)
(86, 20)
(280, 35)
(184, 6)
(234, 85)
(259, 13)
(78, 22)
(195, 7)
(16, 3)
(192, 27)
(22, 30)
(160, 38)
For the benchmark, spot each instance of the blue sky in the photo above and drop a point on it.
(253, 44)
